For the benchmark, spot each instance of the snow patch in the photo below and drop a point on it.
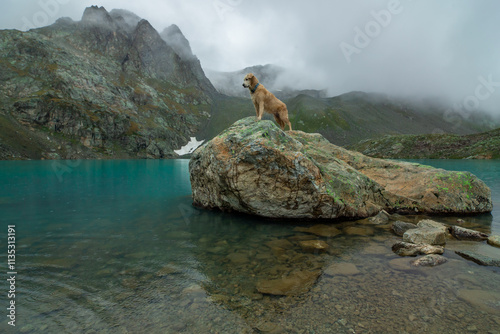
(189, 148)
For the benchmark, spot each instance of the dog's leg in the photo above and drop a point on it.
(260, 112)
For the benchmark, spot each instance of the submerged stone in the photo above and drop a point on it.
(313, 246)
(430, 260)
(320, 230)
(479, 258)
(342, 268)
(293, 284)
(256, 168)
(487, 300)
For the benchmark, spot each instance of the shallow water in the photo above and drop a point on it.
(116, 247)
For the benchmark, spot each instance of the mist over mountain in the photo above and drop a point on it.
(273, 77)
(111, 86)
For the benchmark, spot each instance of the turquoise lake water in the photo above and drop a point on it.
(116, 247)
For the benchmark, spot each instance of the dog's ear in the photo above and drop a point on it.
(253, 79)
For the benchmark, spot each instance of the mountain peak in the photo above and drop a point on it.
(125, 18)
(176, 39)
(95, 15)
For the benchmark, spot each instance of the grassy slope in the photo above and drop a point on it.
(484, 145)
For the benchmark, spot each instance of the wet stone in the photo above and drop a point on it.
(320, 230)
(381, 218)
(425, 235)
(479, 258)
(342, 268)
(238, 258)
(279, 243)
(462, 233)
(431, 260)
(357, 230)
(400, 227)
(488, 301)
(312, 246)
(167, 270)
(409, 249)
(494, 240)
(293, 284)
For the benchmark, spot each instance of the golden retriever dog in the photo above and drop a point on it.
(264, 100)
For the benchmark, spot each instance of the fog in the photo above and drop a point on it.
(448, 49)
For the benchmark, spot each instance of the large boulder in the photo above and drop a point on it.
(256, 168)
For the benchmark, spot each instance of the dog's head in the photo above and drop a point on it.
(250, 80)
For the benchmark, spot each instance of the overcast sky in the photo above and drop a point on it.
(447, 48)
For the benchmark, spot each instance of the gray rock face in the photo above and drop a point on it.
(254, 167)
(108, 85)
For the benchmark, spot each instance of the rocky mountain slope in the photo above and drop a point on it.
(111, 86)
(484, 145)
(349, 118)
(106, 86)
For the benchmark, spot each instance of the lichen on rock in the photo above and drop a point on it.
(256, 168)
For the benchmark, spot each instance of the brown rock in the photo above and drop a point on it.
(342, 268)
(320, 230)
(462, 233)
(431, 260)
(293, 284)
(357, 230)
(409, 249)
(313, 246)
(426, 235)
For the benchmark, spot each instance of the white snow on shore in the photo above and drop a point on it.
(189, 148)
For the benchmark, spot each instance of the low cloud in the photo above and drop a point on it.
(410, 48)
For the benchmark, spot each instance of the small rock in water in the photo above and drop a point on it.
(432, 224)
(313, 246)
(279, 243)
(494, 240)
(488, 301)
(479, 258)
(293, 284)
(238, 258)
(409, 249)
(400, 227)
(430, 260)
(425, 235)
(381, 218)
(167, 270)
(465, 234)
(357, 230)
(342, 268)
(320, 230)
